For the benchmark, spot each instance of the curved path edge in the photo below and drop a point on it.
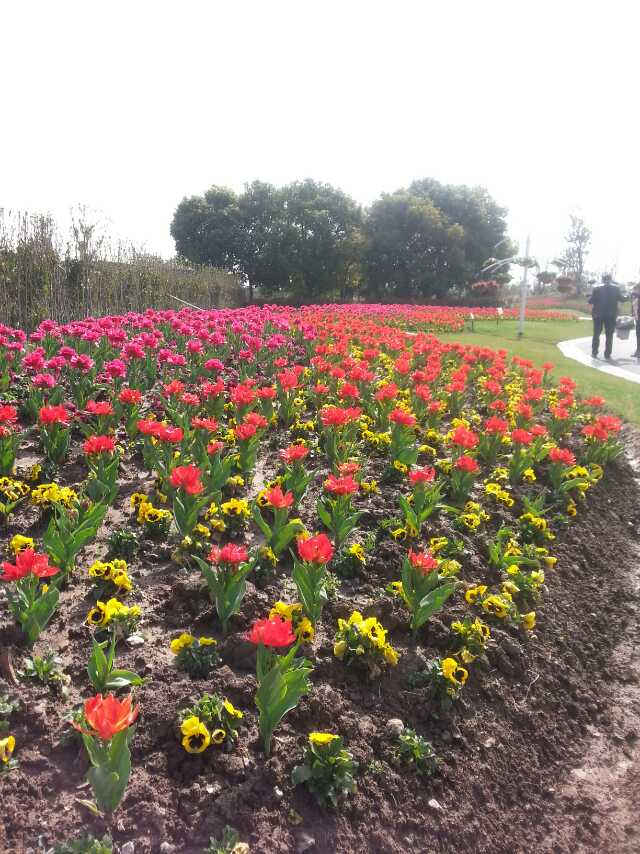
(573, 350)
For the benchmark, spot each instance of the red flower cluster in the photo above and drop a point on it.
(294, 454)
(336, 416)
(423, 561)
(464, 438)
(53, 415)
(562, 455)
(467, 464)
(399, 416)
(99, 407)
(423, 475)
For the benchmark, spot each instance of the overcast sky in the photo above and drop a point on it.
(128, 106)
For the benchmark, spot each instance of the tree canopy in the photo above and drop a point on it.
(309, 242)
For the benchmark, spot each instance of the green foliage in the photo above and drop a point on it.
(104, 677)
(424, 593)
(69, 530)
(111, 767)
(31, 607)
(216, 713)
(198, 659)
(229, 843)
(227, 585)
(85, 845)
(92, 275)
(327, 769)
(7, 708)
(122, 543)
(45, 668)
(417, 752)
(294, 242)
(282, 681)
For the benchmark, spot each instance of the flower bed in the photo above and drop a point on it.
(260, 557)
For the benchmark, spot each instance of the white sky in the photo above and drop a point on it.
(128, 106)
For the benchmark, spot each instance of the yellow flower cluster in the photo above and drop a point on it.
(113, 611)
(152, 517)
(358, 636)
(50, 493)
(13, 490)
(187, 640)
(114, 571)
(19, 543)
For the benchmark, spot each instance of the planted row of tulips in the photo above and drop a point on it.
(474, 452)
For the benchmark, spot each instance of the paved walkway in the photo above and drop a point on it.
(622, 363)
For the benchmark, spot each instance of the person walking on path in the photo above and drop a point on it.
(635, 311)
(604, 301)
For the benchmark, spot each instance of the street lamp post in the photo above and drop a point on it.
(493, 264)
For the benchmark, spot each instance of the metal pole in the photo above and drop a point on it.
(524, 290)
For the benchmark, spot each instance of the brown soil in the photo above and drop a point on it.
(539, 755)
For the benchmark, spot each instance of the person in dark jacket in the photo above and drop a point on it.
(604, 302)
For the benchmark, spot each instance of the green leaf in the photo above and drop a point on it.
(433, 602)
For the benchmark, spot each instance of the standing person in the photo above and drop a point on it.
(635, 311)
(604, 301)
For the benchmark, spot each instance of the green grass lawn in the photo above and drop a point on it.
(539, 345)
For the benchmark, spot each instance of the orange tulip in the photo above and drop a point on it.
(106, 716)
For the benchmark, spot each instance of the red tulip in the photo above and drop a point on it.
(275, 632)
(341, 485)
(99, 445)
(467, 464)
(399, 416)
(187, 478)
(279, 499)
(423, 475)
(316, 549)
(231, 553)
(423, 561)
(562, 455)
(107, 716)
(294, 453)
(8, 414)
(53, 415)
(28, 561)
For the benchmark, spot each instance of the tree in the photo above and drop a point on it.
(481, 218)
(292, 242)
(572, 260)
(320, 227)
(413, 252)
